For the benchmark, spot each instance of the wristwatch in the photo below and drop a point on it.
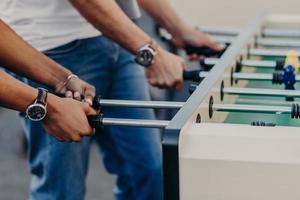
(145, 55)
(38, 111)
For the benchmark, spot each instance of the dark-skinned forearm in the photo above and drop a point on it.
(14, 94)
(18, 56)
(108, 17)
(163, 12)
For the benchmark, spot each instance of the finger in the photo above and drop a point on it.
(59, 139)
(90, 131)
(89, 95)
(69, 94)
(183, 65)
(88, 109)
(151, 81)
(179, 85)
(193, 57)
(215, 46)
(76, 138)
(77, 96)
(201, 57)
(160, 84)
(66, 140)
(89, 99)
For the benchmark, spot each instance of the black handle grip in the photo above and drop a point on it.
(208, 52)
(96, 100)
(95, 121)
(192, 75)
(279, 65)
(204, 64)
(192, 88)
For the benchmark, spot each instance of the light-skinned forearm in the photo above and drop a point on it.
(19, 57)
(164, 13)
(108, 17)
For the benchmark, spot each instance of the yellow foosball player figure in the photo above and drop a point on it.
(292, 58)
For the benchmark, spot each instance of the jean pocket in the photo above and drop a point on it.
(64, 49)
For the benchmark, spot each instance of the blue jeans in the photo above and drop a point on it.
(132, 154)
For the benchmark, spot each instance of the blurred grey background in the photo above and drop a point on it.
(231, 12)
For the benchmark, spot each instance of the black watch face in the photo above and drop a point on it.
(144, 57)
(36, 112)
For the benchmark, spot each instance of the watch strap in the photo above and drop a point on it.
(151, 46)
(42, 96)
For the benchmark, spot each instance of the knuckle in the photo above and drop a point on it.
(178, 80)
(88, 131)
(76, 138)
(169, 85)
(59, 139)
(93, 89)
(67, 140)
(162, 84)
(151, 81)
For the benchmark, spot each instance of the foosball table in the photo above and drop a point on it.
(237, 136)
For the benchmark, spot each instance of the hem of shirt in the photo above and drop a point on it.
(43, 48)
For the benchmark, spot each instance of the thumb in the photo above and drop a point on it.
(88, 110)
(183, 64)
(89, 95)
(215, 46)
(179, 85)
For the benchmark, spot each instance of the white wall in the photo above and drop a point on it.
(231, 12)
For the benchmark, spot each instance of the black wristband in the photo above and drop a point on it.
(42, 96)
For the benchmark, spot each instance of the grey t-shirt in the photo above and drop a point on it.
(130, 7)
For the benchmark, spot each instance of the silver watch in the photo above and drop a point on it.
(38, 111)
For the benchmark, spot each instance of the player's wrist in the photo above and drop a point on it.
(147, 53)
(159, 56)
(63, 83)
(52, 102)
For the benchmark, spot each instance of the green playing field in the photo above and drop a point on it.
(278, 119)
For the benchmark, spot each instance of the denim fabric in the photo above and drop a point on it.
(132, 154)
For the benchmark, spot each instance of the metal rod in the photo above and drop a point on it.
(271, 32)
(210, 61)
(261, 92)
(267, 32)
(178, 105)
(249, 76)
(253, 76)
(216, 107)
(135, 123)
(259, 63)
(263, 102)
(269, 52)
(267, 42)
(246, 63)
(257, 76)
(271, 42)
(223, 39)
(251, 108)
(221, 31)
(142, 104)
(227, 37)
